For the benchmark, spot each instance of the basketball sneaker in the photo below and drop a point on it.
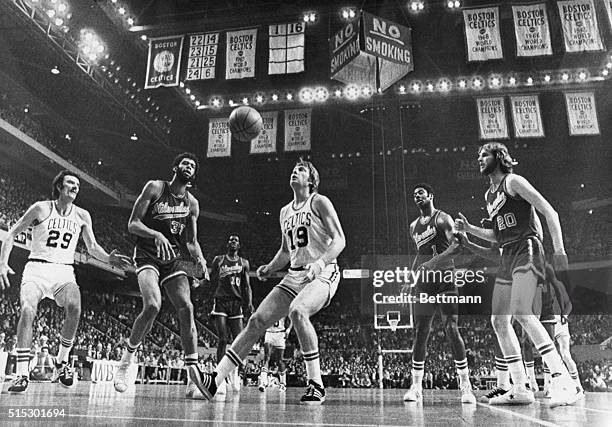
(414, 394)
(65, 375)
(19, 384)
(121, 382)
(533, 384)
(204, 381)
(563, 392)
(516, 396)
(222, 388)
(314, 395)
(498, 391)
(467, 396)
(192, 391)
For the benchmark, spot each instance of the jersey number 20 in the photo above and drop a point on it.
(301, 237)
(54, 236)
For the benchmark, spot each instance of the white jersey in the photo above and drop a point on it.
(55, 238)
(279, 326)
(305, 232)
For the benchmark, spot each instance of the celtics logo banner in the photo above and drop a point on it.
(297, 129)
(531, 30)
(164, 61)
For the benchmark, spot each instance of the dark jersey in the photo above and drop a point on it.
(169, 215)
(513, 217)
(430, 239)
(231, 277)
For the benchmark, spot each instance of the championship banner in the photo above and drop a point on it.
(240, 54)
(492, 117)
(526, 116)
(219, 138)
(579, 22)
(164, 61)
(482, 34)
(202, 56)
(531, 30)
(287, 43)
(266, 141)
(297, 129)
(581, 113)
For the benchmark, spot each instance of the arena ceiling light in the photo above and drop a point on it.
(348, 13)
(309, 17)
(416, 6)
(134, 137)
(55, 70)
(306, 95)
(321, 94)
(453, 4)
(91, 45)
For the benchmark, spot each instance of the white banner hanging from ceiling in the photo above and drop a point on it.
(608, 4)
(526, 116)
(287, 43)
(492, 117)
(581, 113)
(219, 138)
(240, 54)
(297, 129)
(266, 140)
(482, 34)
(531, 30)
(202, 56)
(579, 23)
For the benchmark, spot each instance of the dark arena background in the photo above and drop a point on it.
(389, 93)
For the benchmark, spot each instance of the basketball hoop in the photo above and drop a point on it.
(393, 324)
(393, 319)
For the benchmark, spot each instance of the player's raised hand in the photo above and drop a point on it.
(120, 261)
(462, 238)
(262, 273)
(462, 224)
(164, 248)
(5, 270)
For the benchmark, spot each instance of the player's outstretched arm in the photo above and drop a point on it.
(462, 225)
(519, 185)
(481, 251)
(93, 248)
(193, 246)
(280, 260)
(32, 214)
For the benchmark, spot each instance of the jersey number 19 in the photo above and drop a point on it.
(301, 237)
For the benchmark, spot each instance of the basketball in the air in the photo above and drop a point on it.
(245, 123)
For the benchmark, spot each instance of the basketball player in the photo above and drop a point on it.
(49, 272)
(511, 204)
(312, 239)
(274, 349)
(164, 218)
(233, 293)
(432, 233)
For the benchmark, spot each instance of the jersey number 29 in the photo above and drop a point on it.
(54, 236)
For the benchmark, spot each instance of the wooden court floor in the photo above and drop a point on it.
(156, 405)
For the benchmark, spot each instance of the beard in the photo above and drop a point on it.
(183, 178)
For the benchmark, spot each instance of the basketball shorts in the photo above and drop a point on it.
(48, 277)
(275, 339)
(166, 270)
(292, 282)
(561, 327)
(437, 289)
(519, 257)
(230, 308)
